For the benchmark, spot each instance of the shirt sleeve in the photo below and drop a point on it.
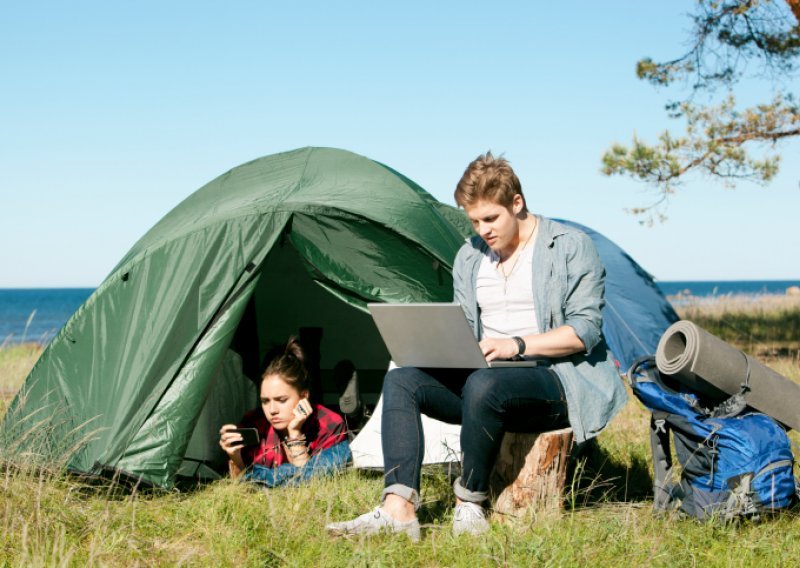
(585, 290)
(460, 282)
(331, 430)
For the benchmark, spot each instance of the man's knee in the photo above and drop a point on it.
(398, 385)
(480, 388)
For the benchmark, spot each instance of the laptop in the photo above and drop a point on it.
(433, 335)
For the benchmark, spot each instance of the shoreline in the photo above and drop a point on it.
(750, 303)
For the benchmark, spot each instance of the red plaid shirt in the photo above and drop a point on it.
(323, 429)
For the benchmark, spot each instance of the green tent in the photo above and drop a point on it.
(165, 351)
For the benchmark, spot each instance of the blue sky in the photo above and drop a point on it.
(112, 113)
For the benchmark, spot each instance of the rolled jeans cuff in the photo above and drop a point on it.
(403, 491)
(469, 496)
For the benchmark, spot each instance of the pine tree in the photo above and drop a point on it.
(729, 39)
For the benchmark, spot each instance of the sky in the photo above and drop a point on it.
(112, 113)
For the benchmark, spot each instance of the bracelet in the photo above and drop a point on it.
(298, 454)
(520, 345)
(291, 443)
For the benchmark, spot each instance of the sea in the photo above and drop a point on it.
(37, 314)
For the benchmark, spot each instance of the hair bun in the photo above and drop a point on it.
(288, 361)
(294, 349)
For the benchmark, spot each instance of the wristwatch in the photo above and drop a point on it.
(520, 346)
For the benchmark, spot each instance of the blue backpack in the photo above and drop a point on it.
(735, 462)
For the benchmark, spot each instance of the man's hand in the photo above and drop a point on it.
(499, 348)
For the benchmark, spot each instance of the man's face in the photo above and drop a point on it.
(495, 223)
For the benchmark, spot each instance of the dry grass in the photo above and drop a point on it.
(709, 306)
(48, 518)
(767, 327)
(16, 361)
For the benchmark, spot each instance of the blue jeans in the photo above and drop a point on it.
(486, 402)
(326, 462)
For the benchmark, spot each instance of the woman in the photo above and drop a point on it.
(296, 440)
(532, 288)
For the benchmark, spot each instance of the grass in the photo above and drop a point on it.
(16, 361)
(764, 326)
(48, 518)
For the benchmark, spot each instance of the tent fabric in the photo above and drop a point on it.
(126, 379)
(295, 241)
(636, 313)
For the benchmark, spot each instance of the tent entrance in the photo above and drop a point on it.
(285, 301)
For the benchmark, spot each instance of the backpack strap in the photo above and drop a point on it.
(741, 500)
(734, 405)
(796, 480)
(663, 487)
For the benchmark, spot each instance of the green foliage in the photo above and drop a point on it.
(720, 140)
(715, 143)
(726, 37)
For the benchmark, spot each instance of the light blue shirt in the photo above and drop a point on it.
(568, 287)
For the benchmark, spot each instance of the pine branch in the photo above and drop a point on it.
(719, 141)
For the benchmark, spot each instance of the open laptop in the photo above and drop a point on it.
(432, 335)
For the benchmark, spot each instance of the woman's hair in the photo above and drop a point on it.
(288, 362)
(488, 178)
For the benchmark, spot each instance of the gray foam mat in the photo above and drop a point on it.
(712, 367)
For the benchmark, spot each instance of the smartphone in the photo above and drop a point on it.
(309, 403)
(249, 435)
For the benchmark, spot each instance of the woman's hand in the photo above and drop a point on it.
(301, 413)
(297, 450)
(231, 444)
(494, 348)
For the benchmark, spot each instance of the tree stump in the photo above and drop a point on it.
(530, 472)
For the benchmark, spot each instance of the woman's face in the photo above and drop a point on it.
(278, 400)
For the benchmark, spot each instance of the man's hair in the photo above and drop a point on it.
(490, 179)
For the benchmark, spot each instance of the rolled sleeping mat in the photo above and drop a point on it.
(711, 367)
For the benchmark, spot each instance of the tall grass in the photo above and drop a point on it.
(764, 326)
(745, 318)
(16, 361)
(48, 518)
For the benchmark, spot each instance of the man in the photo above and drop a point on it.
(530, 287)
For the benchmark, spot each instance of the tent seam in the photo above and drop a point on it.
(625, 324)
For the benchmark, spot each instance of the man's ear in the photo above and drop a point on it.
(518, 204)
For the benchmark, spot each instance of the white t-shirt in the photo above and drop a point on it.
(506, 303)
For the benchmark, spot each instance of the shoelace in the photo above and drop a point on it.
(471, 511)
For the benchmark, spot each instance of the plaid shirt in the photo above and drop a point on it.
(323, 429)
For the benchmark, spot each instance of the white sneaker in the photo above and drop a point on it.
(469, 518)
(372, 523)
